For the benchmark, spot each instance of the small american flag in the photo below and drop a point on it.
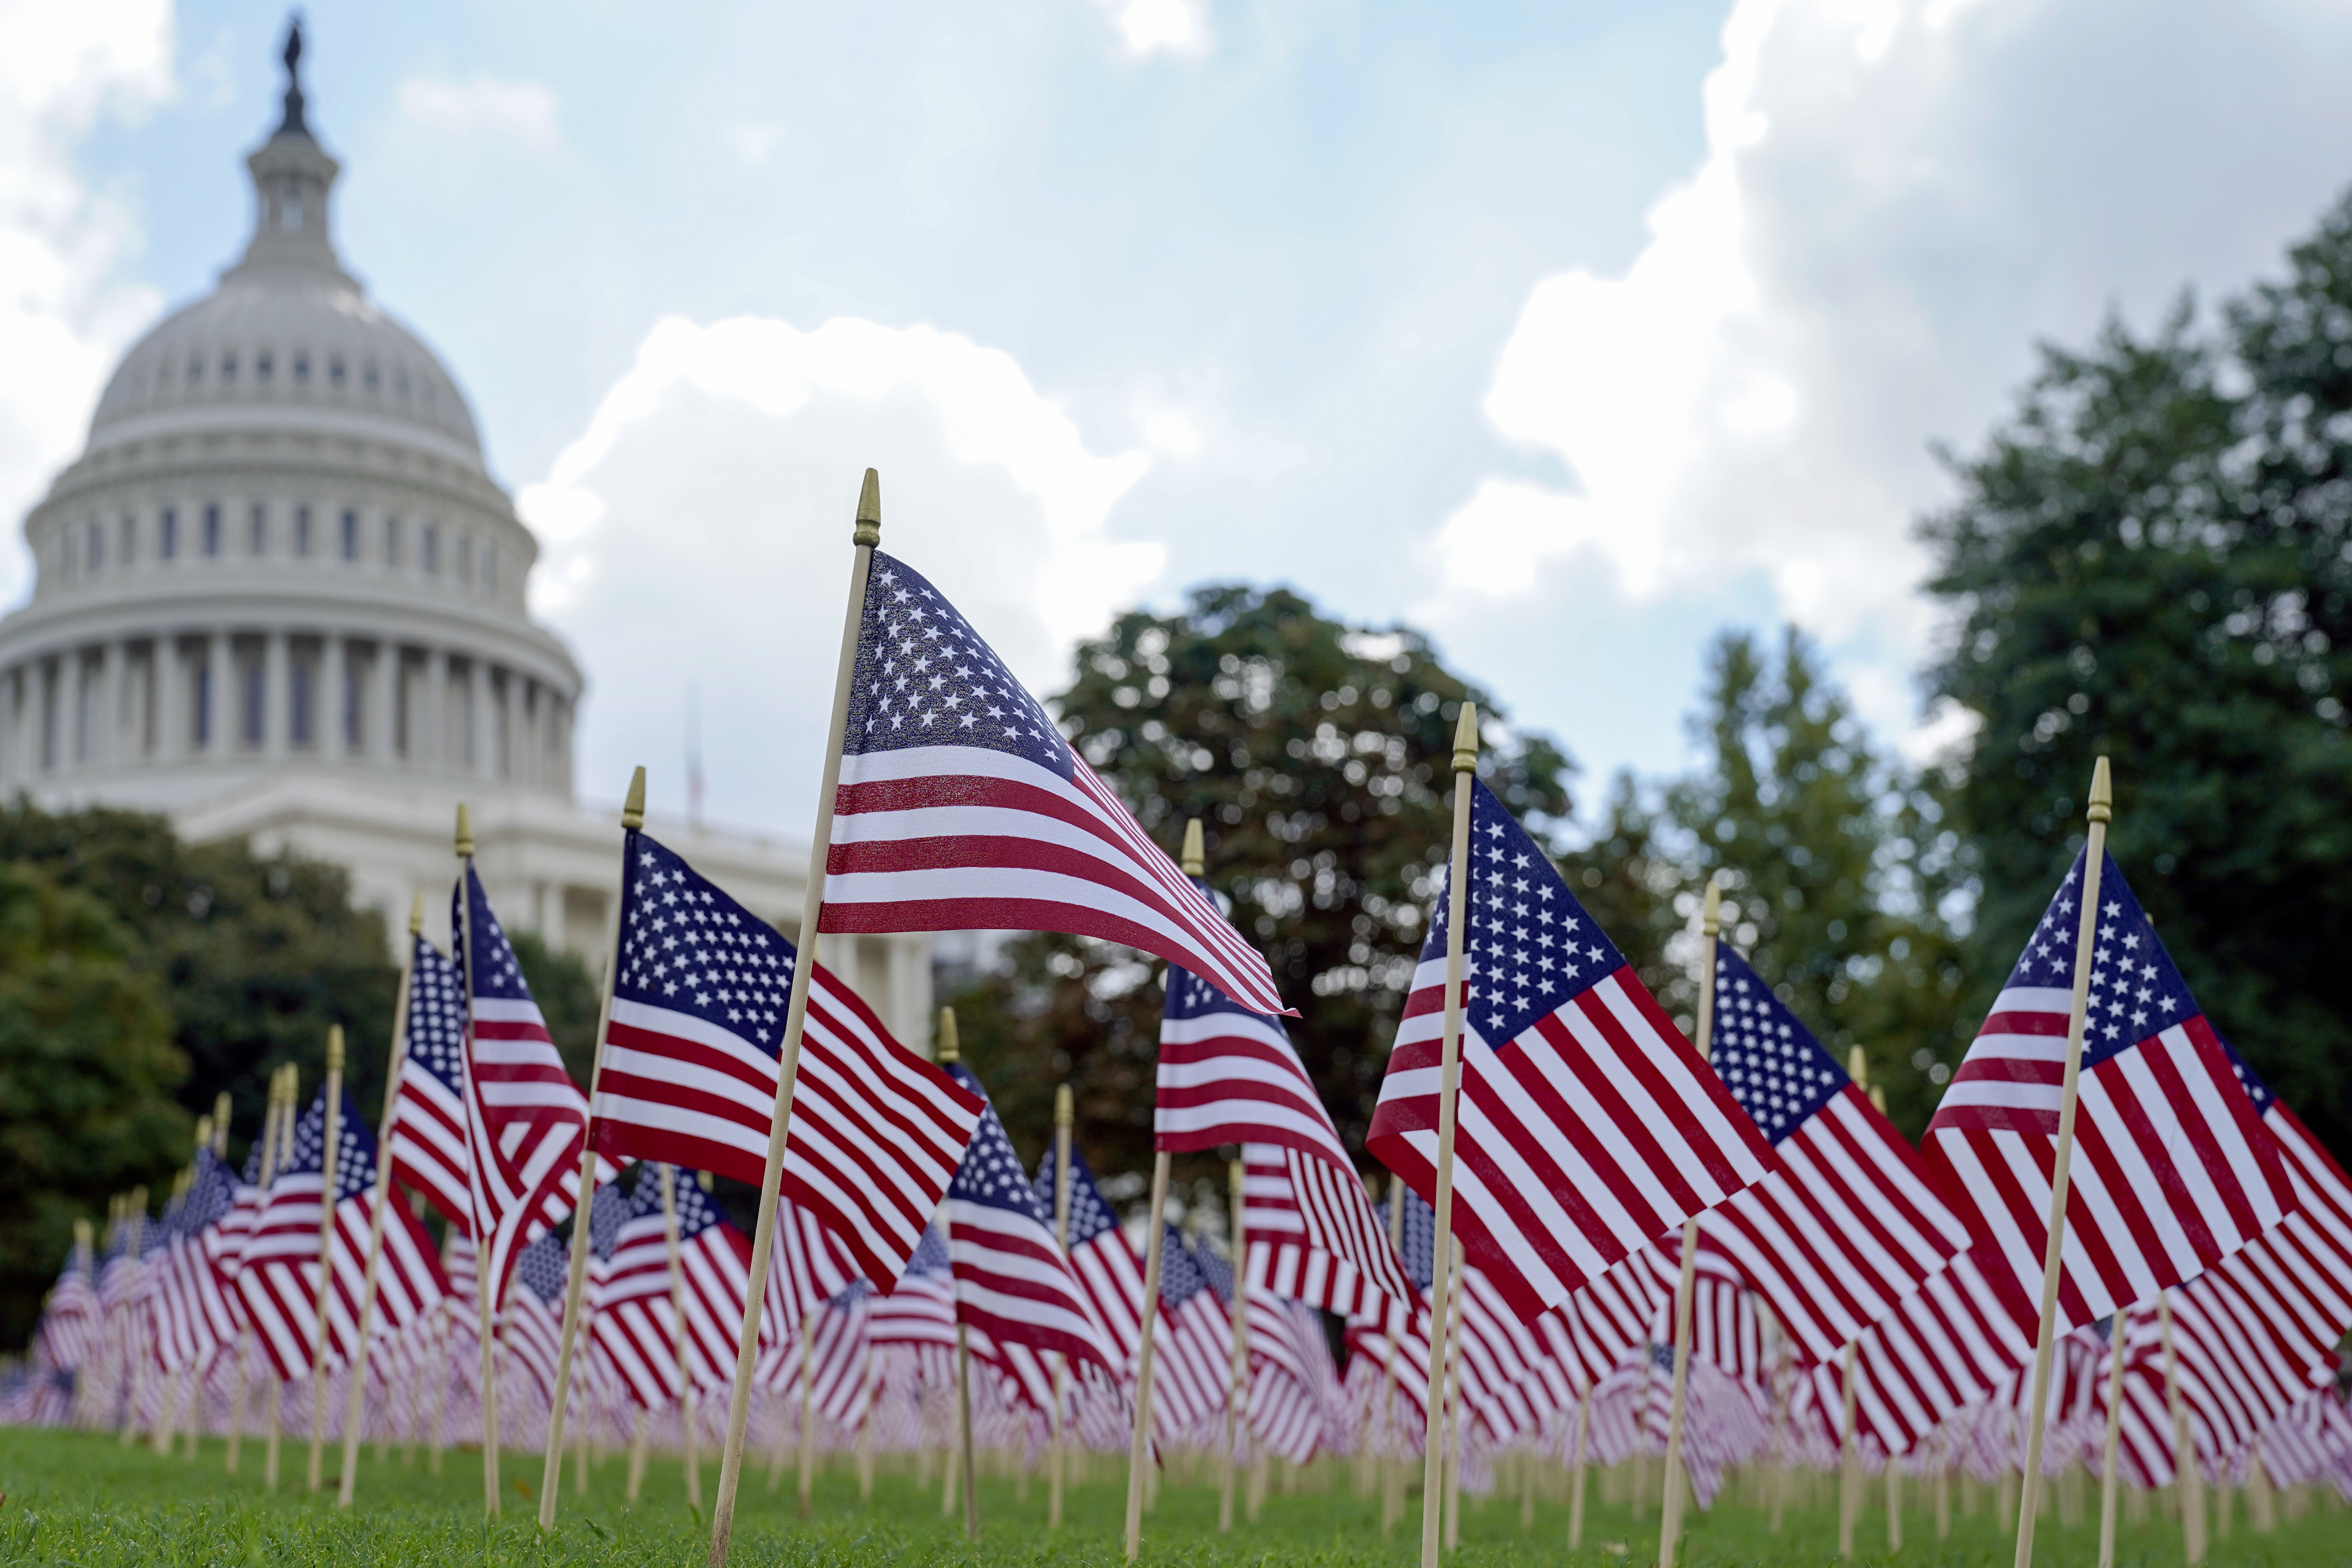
(1586, 1124)
(2172, 1169)
(808, 1265)
(1851, 1221)
(428, 1117)
(962, 807)
(533, 1322)
(1231, 1076)
(525, 1117)
(690, 1066)
(1109, 1272)
(68, 1334)
(279, 1281)
(1193, 1350)
(1012, 1283)
(633, 1315)
(190, 1310)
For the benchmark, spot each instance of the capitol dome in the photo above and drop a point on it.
(280, 545)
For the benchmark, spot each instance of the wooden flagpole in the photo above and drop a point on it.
(2188, 1481)
(677, 1336)
(1237, 1371)
(633, 818)
(2094, 859)
(807, 1476)
(1453, 1399)
(1398, 1319)
(1848, 1459)
(484, 1286)
(864, 536)
(221, 1104)
(964, 1414)
(272, 1119)
(1576, 1475)
(1670, 1513)
(176, 1396)
(2107, 1491)
(334, 1135)
(1457, 893)
(1192, 863)
(350, 1480)
(1065, 1114)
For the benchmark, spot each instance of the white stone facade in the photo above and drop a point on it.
(279, 597)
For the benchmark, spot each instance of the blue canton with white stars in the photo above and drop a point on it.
(924, 678)
(930, 1254)
(437, 1016)
(1419, 1240)
(1181, 1276)
(2136, 993)
(212, 1193)
(990, 1173)
(1765, 1055)
(545, 1267)
(608, 1211)
(494, 969)
(354, 1149)
(1089, 1215)
(1214, 1269)
(695, 1212)
(1529, 948)
(687, 947)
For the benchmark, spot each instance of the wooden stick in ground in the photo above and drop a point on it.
(963, 1416)
(1065, 1114)
(485, 1287)
(1433, 1479)
(1237, 1359)
(633, 818)
(289, 1081)
(1392, 1466)
(2107, 1489)
(1670, 1516)
(350, 1478)
(669, 1178)
(864, 536)
(1894, 1504)
(2094, 859)
(1576, 1472)
(1848, 1459)
(2188, 1480)
(328, 1176)
(808, 1422)
(1138, 1457)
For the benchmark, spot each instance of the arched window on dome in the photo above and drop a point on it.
(228, 367)
(302, 532)
(263, 365)
(351, 534)
(97, 546)
(256, 710)
(432, 548)
(260, 530)
(335, 369)
(195, 368)
(368, 378)
(490, 568)
(392, 542)
(129, 551)
(300, 696)
(464, 558)
(167, 534)
(302, 368)
(212, 530)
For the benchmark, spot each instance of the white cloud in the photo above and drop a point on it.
(63, 318)
(522, 112)
(698, 530)
(1147, 28)
(1897, 198)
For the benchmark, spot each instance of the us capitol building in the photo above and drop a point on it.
(279, 596)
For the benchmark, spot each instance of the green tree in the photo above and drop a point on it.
(86, 1069)
(252, 955)
(1317, 755)
(2148, 558)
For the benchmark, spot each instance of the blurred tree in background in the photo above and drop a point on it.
(568, 999)
(86, 1069)
(252, 956)
(2151, 557)
(1317, 756)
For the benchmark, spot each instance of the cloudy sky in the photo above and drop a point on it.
(1571, 333)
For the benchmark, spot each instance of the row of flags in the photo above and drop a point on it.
(1894, 1281)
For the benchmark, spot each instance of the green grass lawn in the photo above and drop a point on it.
(81, 1498)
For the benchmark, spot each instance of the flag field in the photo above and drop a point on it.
(83, 1498)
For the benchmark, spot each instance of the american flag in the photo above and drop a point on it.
(838, 1352)
(428, 1116)
(1193, 1350)
(279, 1281)
(1231, 1076)
(690, 1066)
(68, 1334)
(190, 1311)
(917, 1313)
(633, 1315)
(533, 1323)
(962, 807)
(1949, 1345)
(1851, 1221)
(2172, 1171)
(525, 1117)
(1585, 1124)
(1109, 1269)
(1012, 1283)
(808, 1265)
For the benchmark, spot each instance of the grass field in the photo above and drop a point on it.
(81, 1498)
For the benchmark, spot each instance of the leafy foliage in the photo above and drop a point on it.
(2151, 558)
(1316, 754)
(253, 956)
(86, 1069)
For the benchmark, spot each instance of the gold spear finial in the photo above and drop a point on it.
(947, 1035)
(1195, 859)
(632, 809)
(221, 1104)
(1857, 1066)
(868, 531)
(1465, 739)
(1066, 1112)
(464, 833)
(417, 912)
(1710, 913)
(334, 1047)
(2103, 794)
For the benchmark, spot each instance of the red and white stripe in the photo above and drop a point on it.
(1313, 1235)
(279, 1281)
